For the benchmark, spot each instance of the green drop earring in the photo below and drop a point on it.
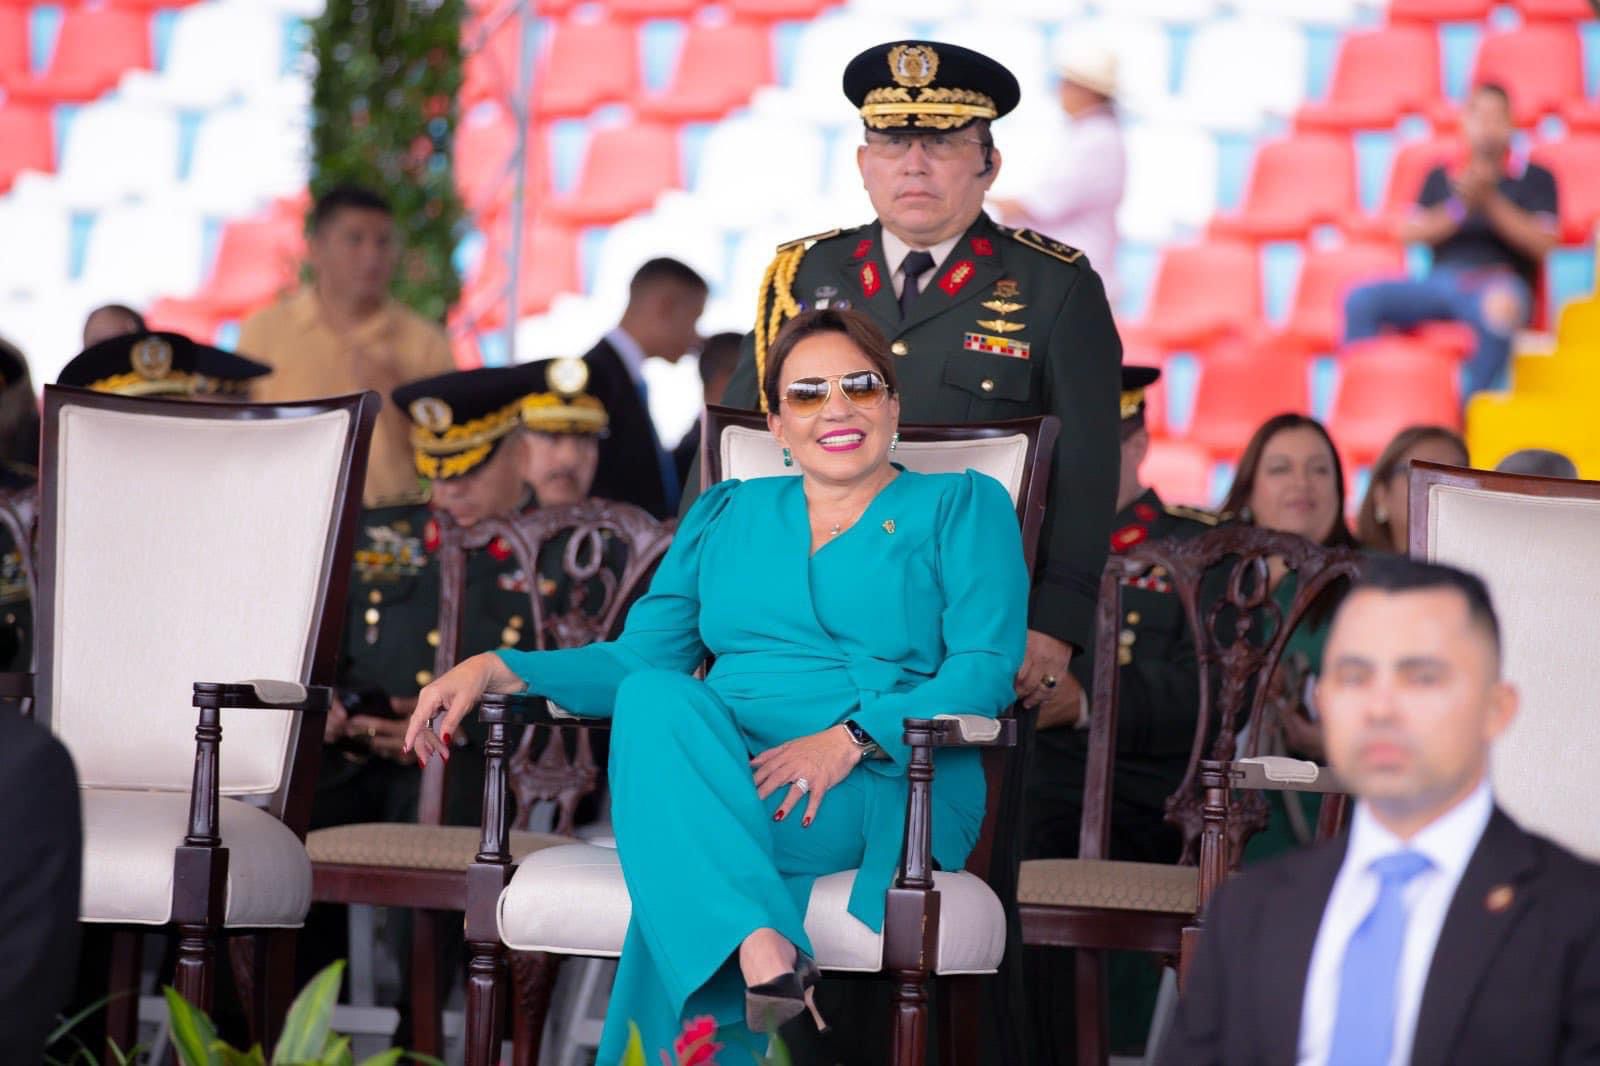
(788, 460)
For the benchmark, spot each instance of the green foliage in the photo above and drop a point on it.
(307, 1039)
(383, 114)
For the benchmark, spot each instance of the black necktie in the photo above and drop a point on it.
(913, 266)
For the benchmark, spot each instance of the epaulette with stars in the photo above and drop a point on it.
(1193, 514)
(1040, 243)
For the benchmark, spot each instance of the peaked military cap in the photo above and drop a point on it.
(928, 86)
(1135, 379)
(459, 419)
(13, 366)
(160, 364)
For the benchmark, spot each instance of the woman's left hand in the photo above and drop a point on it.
(822, 760)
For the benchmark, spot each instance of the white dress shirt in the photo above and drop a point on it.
(633, 356)
(895, 251)
(1448, 843)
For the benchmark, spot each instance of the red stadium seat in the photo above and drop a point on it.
(1241, 386)
(1179, 472)
(94, 48)
(1439, 10)
(485, 143)
(1386, 384)
(1380, 75)
(1202, 292)
(1316, 318)
(490, 71)
(652, 9)
(14, 64)
(718, 69)
(1554, 10)
(549, 267)
(1575, 162)
(1541, 66)
(624, 171)
(26, 141)
(773, 10)
(1295, 184)
(1406, 175)
(257, 260)
(584, 65)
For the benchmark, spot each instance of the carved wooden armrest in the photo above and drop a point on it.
(264, 695)
(16, 686)
(1280, 773)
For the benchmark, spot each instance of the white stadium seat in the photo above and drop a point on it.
(116, 151)
(752, 167)
(219, 51)
(826, 45)
(244, 157)
(1221, 92)
(138, 252)
(1172, 181)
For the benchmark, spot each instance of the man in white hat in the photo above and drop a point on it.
(1077, 201)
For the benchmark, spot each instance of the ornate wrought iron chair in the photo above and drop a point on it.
(1095, 904)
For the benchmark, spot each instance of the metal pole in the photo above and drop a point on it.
(521, 113)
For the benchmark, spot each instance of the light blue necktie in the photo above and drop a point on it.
(1363, 1028)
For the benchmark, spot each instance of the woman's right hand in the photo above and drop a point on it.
(455, 695)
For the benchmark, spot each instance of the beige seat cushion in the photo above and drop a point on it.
(413, 847)
(1128, 886)
(128, 843)
(572, 901)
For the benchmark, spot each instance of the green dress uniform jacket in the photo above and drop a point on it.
(1011, 325)
(16, 605)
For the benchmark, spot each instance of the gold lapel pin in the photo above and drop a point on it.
(888, 527)
(1499, 899)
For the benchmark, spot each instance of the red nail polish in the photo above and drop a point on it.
(445, 738)
(806, 824)
(778, 817)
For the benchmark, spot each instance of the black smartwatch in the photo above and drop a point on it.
(862, 739)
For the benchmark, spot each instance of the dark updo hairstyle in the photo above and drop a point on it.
(852, 324)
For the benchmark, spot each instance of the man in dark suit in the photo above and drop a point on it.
(40, 867)
(718, 357)
(1437, 932)
(665, 300)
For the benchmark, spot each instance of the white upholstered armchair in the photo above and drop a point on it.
(184, 547)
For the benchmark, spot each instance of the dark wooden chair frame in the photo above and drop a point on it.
(432, 895)
(911, 922)
(264, 959)
(1234, 714)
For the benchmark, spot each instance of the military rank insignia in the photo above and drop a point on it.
(870, 282)
(957, 277)
(984, 342)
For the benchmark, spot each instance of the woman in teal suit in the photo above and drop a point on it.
(836, 604)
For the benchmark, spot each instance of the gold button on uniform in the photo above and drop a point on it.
(1124, 656)
(433, 639)
(515, 621)
(1126, 638)
(987, 384)
(372, 616)
(899, 348)
(1133, 618)
(375, 596)
(509, 636)
(424, 676)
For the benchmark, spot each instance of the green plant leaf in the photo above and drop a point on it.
(337, 1051)
(305, 1030)
(390, 1057)
(633, 1054)
(234, 1057)
(192, 1032)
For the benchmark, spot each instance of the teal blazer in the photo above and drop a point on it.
(918, 609)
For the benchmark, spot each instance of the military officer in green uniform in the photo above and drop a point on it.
(488, 442)
(987, 322)
(1158, 702)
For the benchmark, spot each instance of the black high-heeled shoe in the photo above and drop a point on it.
(771, 1004)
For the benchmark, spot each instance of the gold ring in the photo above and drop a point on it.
(1049, 680)
(372, 732)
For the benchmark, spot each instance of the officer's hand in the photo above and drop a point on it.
(1066, 705)
(333, 726)
(1045, 660)
(385, 736)
(455, 695)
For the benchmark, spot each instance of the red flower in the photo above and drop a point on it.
(696, 1045)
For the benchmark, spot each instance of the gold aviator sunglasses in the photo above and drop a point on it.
(865, 389)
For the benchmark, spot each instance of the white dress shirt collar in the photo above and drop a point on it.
(633, 356)
(1448, 841)
(895, 251)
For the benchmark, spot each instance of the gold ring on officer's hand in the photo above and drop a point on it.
(1049, 680)
(372, 732)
